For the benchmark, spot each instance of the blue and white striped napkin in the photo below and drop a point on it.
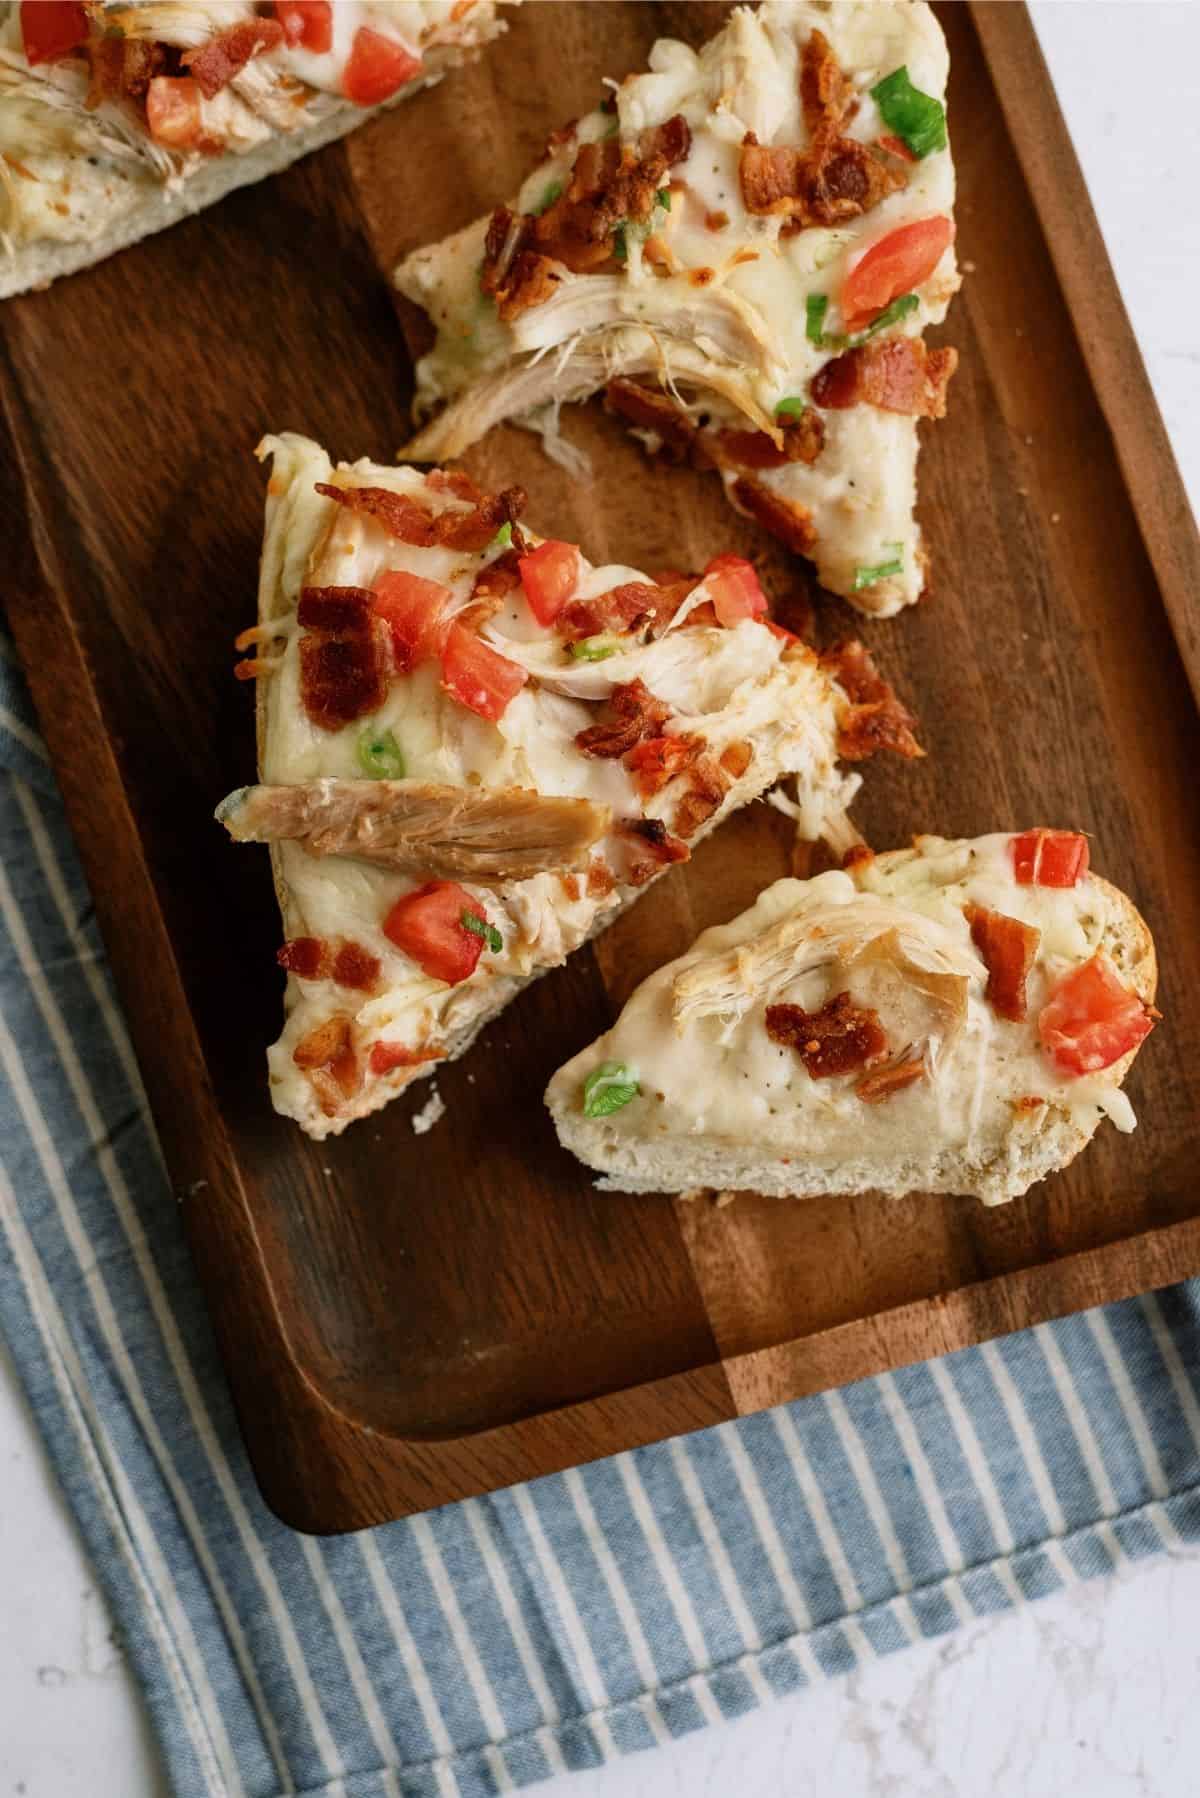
(486, 1645)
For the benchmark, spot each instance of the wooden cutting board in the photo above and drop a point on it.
(407, 1320)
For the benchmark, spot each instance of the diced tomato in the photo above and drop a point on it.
(428, 926)
(308, 23)
(732, 585)
(1049, 858)
(384, 1057)
(477, 676)
(896, 146)
(414, 610)
(549, 575)
(52, 28)
(173, 111)
(896, 264)
(376, 68)
(1092, 1019)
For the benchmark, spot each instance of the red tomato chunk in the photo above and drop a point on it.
(550, 575)
(896, 264)
(1049, 858)
(307, 23)
(414, 611)
(1092, 1019)
(428, 926)
(477, 676)
(377, 68)
(734, 589)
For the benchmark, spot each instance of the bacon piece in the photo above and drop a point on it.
(635, 714)
(345, 658)
(123, 67)
(216, 63)
(652, 847)
(897, 374)
(411, 522)
(623, 607)
(803, 441)
(649, 410)
(338, 959)
(328, 1056)
(610, 183)
(657, 760)
(385, 1058)
(841, 1038)
(825, 93)
(600, 878)
(892, 1077)
(835, 179)
(793, 525)
(875, 718)
(1008, 949)
(706, 789)
(456, 481)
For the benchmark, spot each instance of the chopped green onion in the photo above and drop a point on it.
(608, 1087)
(552, 193)
(480, 927)
(380, 756)
(908, 302)
(663, 196)
(815, 308)
(917, 118)
(620, 247)
(612, 130)
(594, 649)
(867, 577)
(792, 407)
(503, 537)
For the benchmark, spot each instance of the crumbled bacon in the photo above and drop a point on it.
(706, 789)
(892, 1077)
(803, 441)
(328, 1056)
(875, 718)
(897, 374)
(792, 524)
(657, 760)
(826, 95)
(455, 481)
(123, 67)
(716, 220)
(385, 1058)
(649, 410)
(651, 847)
(835, 179)
(501, 577)
(409, 521)
(635, 714)
(1008, 949)
(600, 878)
(841, 1038)
(610, 184)
(622, 608)
(216, 63)
(338, 959)
(859, 855)
(345, 658)
(737, 758)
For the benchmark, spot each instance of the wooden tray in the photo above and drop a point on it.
(409, 1320)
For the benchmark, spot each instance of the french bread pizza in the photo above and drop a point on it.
(475, 748)
(742, 247)
(118, 117)
(955, 1017)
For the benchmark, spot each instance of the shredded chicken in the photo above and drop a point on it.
(441, 832)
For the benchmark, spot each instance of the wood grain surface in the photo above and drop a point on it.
(408, 1320)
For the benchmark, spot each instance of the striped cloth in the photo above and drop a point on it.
(487, 1645)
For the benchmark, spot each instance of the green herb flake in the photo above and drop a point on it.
(380, 756)
(917, 118)
(608, 1087)
(480, 927)
(891, 315)
(663, 196)
(620, 247)
(503, 537)
(552, 193)
(867, 577)
(593, 649)
(792, 407)
(815, 308)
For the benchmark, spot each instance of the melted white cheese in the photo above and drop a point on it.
(708, 1069)
(737, 345)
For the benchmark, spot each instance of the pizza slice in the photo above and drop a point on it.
(118, 117)
(742, 248)
(954, 1017)
(475, 748)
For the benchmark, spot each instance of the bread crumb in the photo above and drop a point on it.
(433, 1109)
(968, 268)
(1055, 517)
(722, 1199)
(692, 1194)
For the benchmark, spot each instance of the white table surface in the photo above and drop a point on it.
(1091, 1691)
